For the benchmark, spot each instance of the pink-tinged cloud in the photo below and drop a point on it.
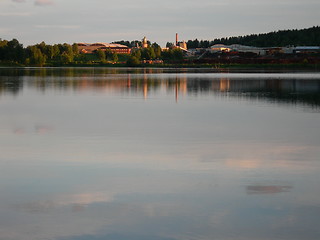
(43, 2)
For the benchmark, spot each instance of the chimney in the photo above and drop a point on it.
(176, 39)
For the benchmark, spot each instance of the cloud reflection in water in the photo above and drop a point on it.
(161, 155)
(267, 189)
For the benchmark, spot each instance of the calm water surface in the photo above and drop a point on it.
(159, 154)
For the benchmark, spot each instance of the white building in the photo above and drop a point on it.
(237, 48)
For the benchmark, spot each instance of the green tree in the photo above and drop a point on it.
(122, 42)
(177, 54)
(135, 43)
(115, 57)
(136, 53)
(66, 58)
(157, 50)
(42, 46)
(13, 51)
(145, 53)
(3, 49)
(148, 53)
(49, 51)
(56, 51)
(133, 61)
(108, 54)
(101, 55)
(3, 43)
(151, 53)
(36, 57)
(169, 45)
(83, 57)
(68, 48)
(172, 55)
(67, 53)
(75, 49)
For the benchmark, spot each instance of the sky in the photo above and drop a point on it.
(59, 21)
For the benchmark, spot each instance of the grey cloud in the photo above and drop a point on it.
(37, 2)
(43, 2)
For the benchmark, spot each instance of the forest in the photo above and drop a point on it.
(302, 37)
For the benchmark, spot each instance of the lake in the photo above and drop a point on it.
(159, 154)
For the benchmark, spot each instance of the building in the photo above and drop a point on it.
(248, 49)
(144, 42)
(182, 45)
(237, 48)
(113, 47)
(220, 48)
(306, 49)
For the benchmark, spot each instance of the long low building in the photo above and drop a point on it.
(237, 48)
(115, 48)
(306, 49)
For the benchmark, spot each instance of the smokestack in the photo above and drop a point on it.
(176, 39)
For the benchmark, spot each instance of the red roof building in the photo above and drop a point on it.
(115, 48)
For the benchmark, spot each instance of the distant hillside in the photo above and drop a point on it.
(302, 37)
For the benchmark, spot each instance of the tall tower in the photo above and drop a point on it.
(176, 39)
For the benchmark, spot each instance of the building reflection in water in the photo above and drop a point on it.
(224, 85)
(154, 81)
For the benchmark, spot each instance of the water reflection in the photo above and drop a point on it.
(258, 189)
(77, 202)
(276, 87)
(108, 154)
(11, 85)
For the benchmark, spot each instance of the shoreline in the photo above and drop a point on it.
(293, 66)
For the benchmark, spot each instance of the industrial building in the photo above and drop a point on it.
(113, 47)
(182, 45)
(237, 48)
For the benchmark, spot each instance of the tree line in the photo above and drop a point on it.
(154, 51)
(13, 52)
(39, 54)
(302, 37)
(42, 54)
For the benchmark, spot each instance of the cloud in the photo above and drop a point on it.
(42, 2)
(15, 14)
(5, 30)
(37, 2)
(58, 26)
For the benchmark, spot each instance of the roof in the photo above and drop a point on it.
(107, 45)
(307, 48)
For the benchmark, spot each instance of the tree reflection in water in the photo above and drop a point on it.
(274, 88)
